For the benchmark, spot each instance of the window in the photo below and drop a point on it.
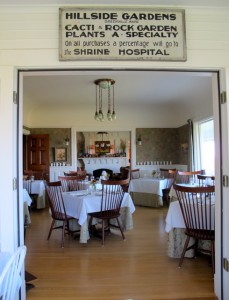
(207, 146)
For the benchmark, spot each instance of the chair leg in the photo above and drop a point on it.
(120, 228)
(183, 252)
(196, 247)
(165, 197)
(213, 256)
(63, 234)
(90, 227)
(103, 232)
(50, 230)
(68, 227)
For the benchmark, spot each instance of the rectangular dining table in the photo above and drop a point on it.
(79, 203)
(147, 191)
(37, 188)
(27, 202)
(175, 227)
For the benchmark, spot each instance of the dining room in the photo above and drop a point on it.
(156, 142)
(161, 126)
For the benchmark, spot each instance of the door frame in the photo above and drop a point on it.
(21, 72)
(224, 157)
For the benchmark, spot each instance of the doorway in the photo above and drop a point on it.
(132, 124)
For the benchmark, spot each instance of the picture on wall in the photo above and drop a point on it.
(60, 154)
(102, 146)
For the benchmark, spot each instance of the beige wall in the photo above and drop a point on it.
(163, 145)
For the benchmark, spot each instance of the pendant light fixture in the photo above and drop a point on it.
(101, 85)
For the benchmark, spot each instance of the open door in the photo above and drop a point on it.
(37, 156)
(225, 187)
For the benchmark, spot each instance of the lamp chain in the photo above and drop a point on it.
(100, 85)
(113, 112)
(101, 118)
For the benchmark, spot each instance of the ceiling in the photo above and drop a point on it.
(162, 88)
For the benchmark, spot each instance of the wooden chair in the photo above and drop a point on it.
(124, 174)
(72, 183)
(170, 175)
(197, 207)
(112, 196)
(81, 172)
(205, 180)
(164, 173)
(187, 176)
(10, 278)
(71, 173)
(135, 174)
(58, 212)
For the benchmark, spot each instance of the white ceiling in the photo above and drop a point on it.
(161, 88)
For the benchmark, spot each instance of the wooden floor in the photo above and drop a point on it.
(137, 268)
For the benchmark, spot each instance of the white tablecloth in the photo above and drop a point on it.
(38, 188)
(147, 191)
(27, 202)
(148, 185)
(174, 218)
(26, 198)
(78, 204)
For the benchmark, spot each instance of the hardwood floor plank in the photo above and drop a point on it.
(137, 268)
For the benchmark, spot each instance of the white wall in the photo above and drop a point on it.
(29, 39)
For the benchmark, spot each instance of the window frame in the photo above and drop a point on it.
(197, 142)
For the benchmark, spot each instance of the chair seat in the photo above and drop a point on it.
(201, 234)
(62, 217)
(109, 214)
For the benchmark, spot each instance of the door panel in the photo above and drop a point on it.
(38, 154)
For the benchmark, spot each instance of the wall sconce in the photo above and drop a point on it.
(66, 141)
(139, 140)
(184, 147)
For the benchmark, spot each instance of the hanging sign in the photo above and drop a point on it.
(122, 34)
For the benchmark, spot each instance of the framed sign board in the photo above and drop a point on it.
(122, 33)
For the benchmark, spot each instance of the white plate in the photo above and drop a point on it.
(98, 193)
(80, 194)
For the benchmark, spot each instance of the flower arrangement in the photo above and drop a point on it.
(105, 175)
(92, 183)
